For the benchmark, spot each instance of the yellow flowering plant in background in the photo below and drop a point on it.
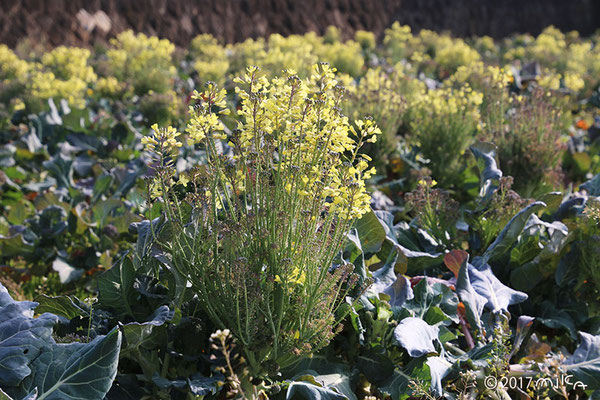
(380, 94)
(454, 53)
(62, 74)
(11, 66)
(262, 221)
(209, 59)
(443, 123)
(144, 62)
(297, 52)
(110, 87)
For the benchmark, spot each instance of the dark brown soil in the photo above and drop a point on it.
(55, 22)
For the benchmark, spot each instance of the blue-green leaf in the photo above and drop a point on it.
(489, 172)
(416, 336)
(76, 370)
(309, 391)
(473, 301)
(511, 232)
(584, 364)
(22, 337)
(498, 296)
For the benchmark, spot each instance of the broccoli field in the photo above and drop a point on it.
(415, 216)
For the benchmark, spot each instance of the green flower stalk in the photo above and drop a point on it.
(259, 228)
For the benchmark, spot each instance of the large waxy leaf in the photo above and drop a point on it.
(584, 364)
(204, 386)
(316, 378)
(418, 261)
(473, 301)
(63, 306)
(353, 254)
(592, 186)
(511, 232)
(547, 241)
(22, 337)
(498, 296)
(16, 241)
(76, 370)
(416, 336)
(557, 318)
(197, 384)
(438, 369)
(82, 165)
(7, 153)
(308, 391)
(50, 222)
(115, 287)
(34, 145)
(141, 334)
(454, 259)
(414, 260)
(571, 207)
(433, 302)
(104, 213)
(61, 169)
(489, 172)
(384, 277)
(375, 366)
(128, 178)
(28, 396)
(179, 282)
(371, 233)
(400, 291)
(66, 272)
(152, 289)
(398, 384)
(552, 200)
(31, 361)
(145, 230)
(101, 186)
(83, 142)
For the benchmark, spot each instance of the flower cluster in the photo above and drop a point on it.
(44, 85)
(110, 87)
(145, 62)
(447, 53)
(455, 53)
(297, 52)
(204, 121)
(279, 112)
(11, 66)
(162, 140)
(68, 63)
(397, 42)
(63, 73)
(209, 58)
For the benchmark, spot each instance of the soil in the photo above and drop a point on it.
(57, 21)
